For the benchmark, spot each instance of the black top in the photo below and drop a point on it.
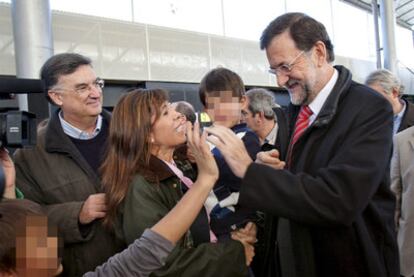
(93, 150)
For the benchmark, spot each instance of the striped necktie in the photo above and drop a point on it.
(301, 124)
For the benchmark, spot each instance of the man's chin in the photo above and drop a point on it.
(296, 100)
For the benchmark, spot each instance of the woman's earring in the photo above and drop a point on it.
(152, 140)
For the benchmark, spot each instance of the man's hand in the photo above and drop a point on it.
(231, 147)
(248, 252)
(93, 208)
(270, 158)
(9, 173)
(247, 236)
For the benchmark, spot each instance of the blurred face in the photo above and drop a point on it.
(169, 129)
(301, 80)
(37, 249)
(78, 94)
(224, 108)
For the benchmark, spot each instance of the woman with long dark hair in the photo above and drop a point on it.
(143, 183)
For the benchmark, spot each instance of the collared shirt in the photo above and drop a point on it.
(77, 133)
(320, 99)
(398, 118)
(272, 136)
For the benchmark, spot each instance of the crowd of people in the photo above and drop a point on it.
(265, 191)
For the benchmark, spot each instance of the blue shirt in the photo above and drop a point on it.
(77, 133)
(398, 118)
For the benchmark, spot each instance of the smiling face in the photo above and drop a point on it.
(169, 130)
(301, 82)
(78, 95)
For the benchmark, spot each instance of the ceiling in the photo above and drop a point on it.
(404, 10)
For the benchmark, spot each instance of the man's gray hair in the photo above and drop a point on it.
(261, 100)
(386, 79)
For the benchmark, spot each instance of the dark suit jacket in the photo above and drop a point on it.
(282, 138)
(408, 117)
(335, 205)
(266, 260)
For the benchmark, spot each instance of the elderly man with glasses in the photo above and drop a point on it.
(62, 172)
(333, 200)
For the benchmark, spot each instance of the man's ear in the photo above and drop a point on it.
(56, 97)
(395, 93)
(320, 52)
(243, 102)
(259, 117)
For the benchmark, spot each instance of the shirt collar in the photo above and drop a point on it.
(77, 133)
(320, 99)
(401, 113)
(271, 137)
(398, 118)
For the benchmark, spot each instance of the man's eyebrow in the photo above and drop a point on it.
(84, 83)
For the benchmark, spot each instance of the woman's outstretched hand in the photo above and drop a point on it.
(197, 144)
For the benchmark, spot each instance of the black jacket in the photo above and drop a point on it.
(335, 205)
(266, 260)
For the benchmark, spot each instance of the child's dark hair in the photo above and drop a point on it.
(220, 79)
(12, 213)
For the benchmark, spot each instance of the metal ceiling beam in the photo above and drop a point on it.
(388, 38)
(367, 7)
(405, 13)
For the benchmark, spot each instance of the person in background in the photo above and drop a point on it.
(402, 184)
(186, 109)
(221, 92)
(387, 84)
(267, 119)
(181, 153)
(61, 172)
(143, 183)
(335, 207)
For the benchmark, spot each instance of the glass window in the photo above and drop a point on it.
(200, 16)
(120, 9)
(347, 41)
(320, 10)
(405, 47)
(247, 19)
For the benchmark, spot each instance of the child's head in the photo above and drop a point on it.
(222, 95)
(28, 245)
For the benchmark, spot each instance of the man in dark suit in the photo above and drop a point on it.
(387, 84)
(267, 119)
(334, 201)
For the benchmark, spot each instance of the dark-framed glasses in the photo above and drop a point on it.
(286, 68)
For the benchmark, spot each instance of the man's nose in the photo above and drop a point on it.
(282, 79)
(95, 91)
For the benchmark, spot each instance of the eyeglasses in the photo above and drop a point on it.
(285, 69)
(83, 89)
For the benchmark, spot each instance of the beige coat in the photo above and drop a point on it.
(402, 184)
